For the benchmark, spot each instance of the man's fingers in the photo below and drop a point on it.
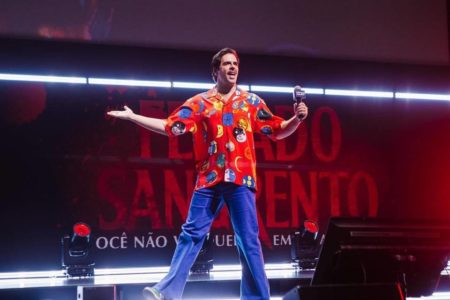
(114, 113)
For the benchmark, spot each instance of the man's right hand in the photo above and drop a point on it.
(125, 114)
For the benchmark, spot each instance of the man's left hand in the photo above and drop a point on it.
(301, 110)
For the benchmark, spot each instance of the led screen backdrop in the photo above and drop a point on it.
(63, 160)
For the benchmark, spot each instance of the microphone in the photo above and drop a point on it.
(298, 96)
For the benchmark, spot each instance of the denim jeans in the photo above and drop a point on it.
(205, 206)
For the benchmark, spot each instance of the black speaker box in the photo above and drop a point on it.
(346, 292)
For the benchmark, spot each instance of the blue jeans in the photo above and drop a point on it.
(205, 205)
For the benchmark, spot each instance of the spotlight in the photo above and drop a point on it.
(76, 257)
(305, 245)
(204, 261)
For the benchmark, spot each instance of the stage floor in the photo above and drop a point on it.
(149, 275)
(222, 282)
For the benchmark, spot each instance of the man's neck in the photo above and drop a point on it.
(225, 91)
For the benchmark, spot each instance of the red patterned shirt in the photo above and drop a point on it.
(223, 135)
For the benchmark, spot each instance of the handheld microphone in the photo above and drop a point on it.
(298, 96)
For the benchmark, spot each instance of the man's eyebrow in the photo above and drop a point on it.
(231, 62)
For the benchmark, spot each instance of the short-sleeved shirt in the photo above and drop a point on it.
(222, 134)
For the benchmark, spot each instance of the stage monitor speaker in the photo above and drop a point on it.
(346, 292)
(364, 250)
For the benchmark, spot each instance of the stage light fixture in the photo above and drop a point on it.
(205, 260)
(305, 245)
(77, 259)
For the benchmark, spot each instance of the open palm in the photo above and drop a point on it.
(121, 114)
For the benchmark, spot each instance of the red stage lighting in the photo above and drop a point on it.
(305, 245)
(76, 257)
(81, 229)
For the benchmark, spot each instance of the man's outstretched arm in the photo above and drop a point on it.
(289, 126)
(153, 124)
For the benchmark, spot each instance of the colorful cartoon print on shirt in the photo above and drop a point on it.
(223, 135)
(236, 163)
(266, 129)
(221, 160)
(253, 99)
(218, 105)
(248, 153)
(219, 131)
(212, 148)
(239, 105)
(248, 181)
(185, 113)
(227, 119)
(239, 134)
(178, 128)
(243, 123)
(211, 177)
(263, 115)
(236, 104)
(198, 107)
(193, 129)
(230, 146)
(230, 176)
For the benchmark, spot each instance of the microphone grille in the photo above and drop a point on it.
(298, 93)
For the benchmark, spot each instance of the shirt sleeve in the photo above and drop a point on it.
(265, 122)
(182, 119)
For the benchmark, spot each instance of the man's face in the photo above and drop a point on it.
(228, 71)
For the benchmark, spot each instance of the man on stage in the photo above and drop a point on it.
(222, 122)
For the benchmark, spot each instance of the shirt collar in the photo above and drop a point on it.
(212, 94)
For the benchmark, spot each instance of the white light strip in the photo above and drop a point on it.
(217, 268)
(39, 78)
(117, 271)
(129, 82)
(272, 89)
(192, 85)
(313, 91)
(244, 87)
(141, 270)
(420, 96)
(283, 89)
(434, 296)
(205, 86)
(357, 93)
(33, 274)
